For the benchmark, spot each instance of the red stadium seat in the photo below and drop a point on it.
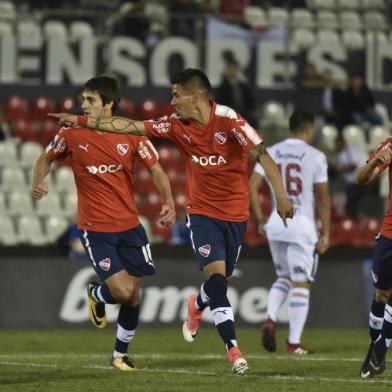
(346, 232)
(23, 129)
(252, 237)
(48, 130)
(67, 104)
(41, 106)
(371, 227)
(127, 108)
(169, 157)
(152, 206)
(16, 108)
(149, 109)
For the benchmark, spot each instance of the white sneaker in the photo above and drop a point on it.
(240, 366)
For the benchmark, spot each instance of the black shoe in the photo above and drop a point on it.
(374, 363)
(96, 310)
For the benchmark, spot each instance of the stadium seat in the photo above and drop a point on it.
(55, 28)
(350, 20)
(322, 4)
(3, 204)
(41, 106)
(373, 5)
(5, 28)
(255, 17)
(80, 29)
(127, 108)
(20, 203)
(24, 130)
(8, 154)
(278, 16)
(149, 109)
(302, 18)
(354, 5)
(169, 156)
(376, 135)
(352, 134)
(304, 38)
(329, 134)
(347, 232)
(152, 206)
(70, 200)
(48, 179)
(328, 37)
(67, 104)
(13, 178)
(8, 233)
(371, 228)
(353, 40)
(29, 36)
(55, 227)
(327, 20)
(273, 114)
(65, 181)
(48, 130)
(31, 231)
(29, 153)
(374, 20)
(49, 204)
(16, 108)
(7, 10)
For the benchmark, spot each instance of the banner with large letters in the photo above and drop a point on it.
(51, 293)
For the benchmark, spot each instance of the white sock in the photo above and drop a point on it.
(276, 296)
(298, 313)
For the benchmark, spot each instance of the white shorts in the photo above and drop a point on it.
(296, 261)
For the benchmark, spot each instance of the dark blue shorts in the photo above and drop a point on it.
(382, 263)
(113, 252)
(214, 239)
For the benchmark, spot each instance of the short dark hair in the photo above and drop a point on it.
(299, 120)
(190, 78)
(107, 87)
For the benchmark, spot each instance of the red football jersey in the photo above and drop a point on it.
(216, 159)
(103, 166)
(386, 228)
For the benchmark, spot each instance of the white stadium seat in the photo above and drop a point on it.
(79, 29)
(8, 233)
(376, 135)
(55, 28)
(5, 28)
(55, 227)
(278, 16)
(382, 110)
(354, 5)
(13, 178)
(29, 153)
(70, 205)
(352, 134)
(48, 179)
(7, 10)
(373, 4)
(319, 4)
(31, 231)
(20, 203)
(329, 134)
(374, 20)
(49, 204)
(353, 39)
(304, 38)
(273, 114)
(8, 154)
(328, 37)
(65, 181)
(327, 20)
(350, 20)
(301, 18)
(255, 17)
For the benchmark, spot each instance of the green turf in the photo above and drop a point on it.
(79, 361)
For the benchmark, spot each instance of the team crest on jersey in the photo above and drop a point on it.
(61, 146)
(122, 148)
(105, 264)
(205, 250)
(221, 137)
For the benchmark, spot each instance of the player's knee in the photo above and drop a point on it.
(135, 299)
(123, 294)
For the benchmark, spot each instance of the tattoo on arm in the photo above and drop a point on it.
(117, 125)
(259, 150)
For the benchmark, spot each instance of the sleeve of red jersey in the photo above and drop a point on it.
(162, 128)
(146, 152)
(245, 135)
(384, 145)
(57, 148)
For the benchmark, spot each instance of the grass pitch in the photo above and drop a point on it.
(78, 360)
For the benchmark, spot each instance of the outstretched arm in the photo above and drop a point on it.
(370, 170)
(41, 170)
(161, 182)
(107, 124)
(283, 204)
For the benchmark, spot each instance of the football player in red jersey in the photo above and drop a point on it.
(215, 142)
(380, 316)
(110, 230)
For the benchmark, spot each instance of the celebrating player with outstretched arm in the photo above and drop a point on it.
(215, 141)
(108, 220)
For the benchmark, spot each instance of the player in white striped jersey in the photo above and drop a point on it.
(294, 249)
